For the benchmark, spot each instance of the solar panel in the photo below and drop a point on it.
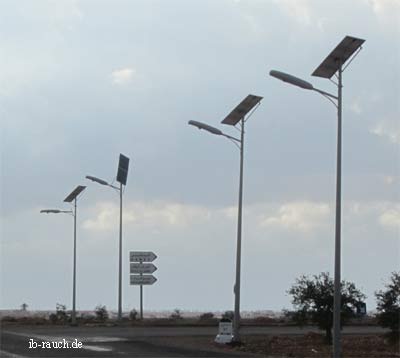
(123, 167)
(75, 193)
(338, 57)
(242, 109)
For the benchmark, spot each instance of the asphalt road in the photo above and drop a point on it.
(122, 341)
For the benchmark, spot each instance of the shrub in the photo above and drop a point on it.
(228, 315)
(388, 304)
(101, 313)
(133, 315)
(86, 318)
(206, 316)
(313, 300)
(61, 313)
(176, 314)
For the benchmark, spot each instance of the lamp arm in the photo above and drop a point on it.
(327, 94)
(231, 138)
(114, 187)
(236, 143)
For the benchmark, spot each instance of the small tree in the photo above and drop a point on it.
(101, 313)
(228, 315)
(60, 315)
(388, 304)
(313, 301)
(206, 316)
(176, 314)
(61, 312)
(133, 315)
(24, 307)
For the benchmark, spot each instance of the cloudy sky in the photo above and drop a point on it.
(82, 81)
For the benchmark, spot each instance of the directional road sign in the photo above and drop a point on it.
(142, 268)
(142, 256)
(142, 279)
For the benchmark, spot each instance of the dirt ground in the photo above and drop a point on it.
(310, 345)
(314, 345)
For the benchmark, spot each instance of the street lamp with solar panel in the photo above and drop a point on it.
(71, 197)
(122, 175)
(333, 64)
(248, 105)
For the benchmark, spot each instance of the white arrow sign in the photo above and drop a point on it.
(142, 256)
(142, 268)
(142, 279)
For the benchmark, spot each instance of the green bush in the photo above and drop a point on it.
(228, 315)
(176, 314)
(206, 316)
(313, 301)
(388, 304)
(133, 315)
(61, 315)
(101, 313)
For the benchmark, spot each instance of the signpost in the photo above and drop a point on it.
(142, 279)
(141, 269)
(142, 256)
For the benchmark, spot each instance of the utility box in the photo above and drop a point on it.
(225, 330)
(361, 309)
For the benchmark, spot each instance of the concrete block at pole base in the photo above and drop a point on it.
(224, 335)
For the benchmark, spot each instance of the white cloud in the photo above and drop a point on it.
(391, 218)
(389, 179)
(385, 6)
(122, 76)
(107, 217)
(153, 215)
(230, 212)
(387, 129)
(66, 9)
(304, 216)
(254, 25)
(383, 213)
(355, 106)
(300, 10)
(386, 10)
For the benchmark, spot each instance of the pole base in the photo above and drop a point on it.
(224, 339)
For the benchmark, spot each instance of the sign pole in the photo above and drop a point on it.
(141, 269)
(141, 295)
(141, 301)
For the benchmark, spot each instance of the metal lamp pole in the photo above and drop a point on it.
(103, 182)
(333, 64)
(73, 317)
(238, 114)
(122, 174)
(120, 256)
(337, 286)
(71, 197)
(236, 319)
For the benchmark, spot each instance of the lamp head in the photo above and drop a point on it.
(97, 180)
(285, 77)
(206, 127)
